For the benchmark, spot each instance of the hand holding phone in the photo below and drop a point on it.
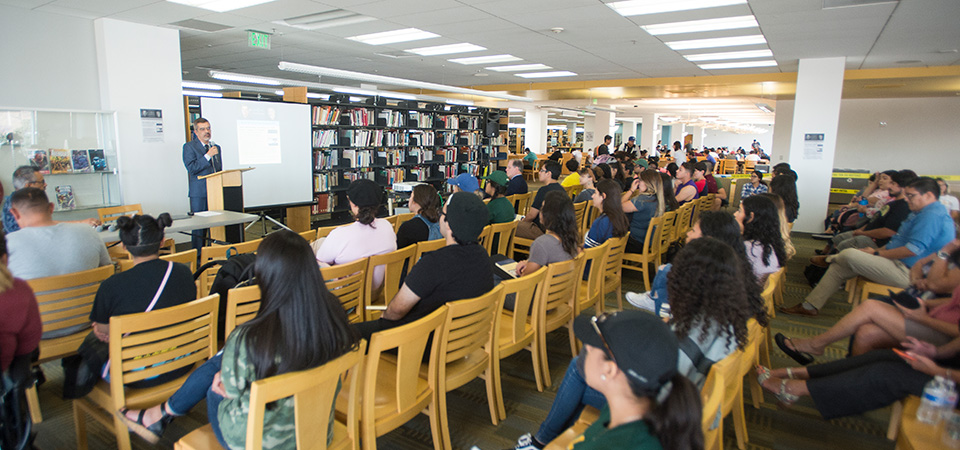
(904, 355)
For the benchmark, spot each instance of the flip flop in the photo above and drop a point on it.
(150, 434)
(802, 358)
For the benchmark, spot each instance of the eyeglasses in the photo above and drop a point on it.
(39, 183)
(596, 321)
(910, 196)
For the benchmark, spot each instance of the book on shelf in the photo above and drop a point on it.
(81, 161)
(98, 160)
(326, 115)
(65, 199)
(60, 161)
(325, 138)
(40, 161)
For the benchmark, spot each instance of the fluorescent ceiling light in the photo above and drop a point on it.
(730, 55)
(392, 37)
(739, 65)
(320, 96)
(639, 7)
(188, 93)
(717, 42)
(559, 73)
(446, 49)
(519, 67)
(279, 92)
(328, 19)
(356, 99)
(349, 90)
(241, 78)
(485, 59)
(398, 95)
(695, 26)
(460, 102)
(764, 107)
(220, 5)
(200, 85)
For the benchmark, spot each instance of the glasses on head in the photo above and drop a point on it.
(596, 321)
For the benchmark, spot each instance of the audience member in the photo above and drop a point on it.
(466, 182)
(574, 178)
(604, 148)
(23, 177)
(425, 225)
(785, 186)
(560, 242)
(530, 227)
(587, 178)
(761, 233)
(501, 210)
(649, 204)
(617, 174)
(785, 226)
(612, 222)
(755, 186)
(20, 325)
(530, 159)
(517, 184)
(950, 202)
(686, 189)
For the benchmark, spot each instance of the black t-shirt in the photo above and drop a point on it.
(132, 291)
(556, 156)
(454, 272)
(411, 232)
(890, 216)
(517, 185)
(541, 194)
(603, 150)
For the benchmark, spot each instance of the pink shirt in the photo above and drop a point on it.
(352, 242)
(948, 312)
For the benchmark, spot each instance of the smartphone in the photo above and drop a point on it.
(904, 354)
(904, 299)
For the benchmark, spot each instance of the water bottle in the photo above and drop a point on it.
(949, 398)
(863, 202)
(930, 403)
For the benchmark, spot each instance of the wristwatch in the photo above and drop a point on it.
(876, 252)
(942, 254)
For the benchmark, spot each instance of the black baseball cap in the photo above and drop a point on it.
(466, 216)
(364, 192)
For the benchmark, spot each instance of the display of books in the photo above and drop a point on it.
(97, 160)
(40, 161)
(60, 161)
(81, 163)
(65, 198)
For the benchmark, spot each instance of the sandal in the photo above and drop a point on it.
(785, 398)
(150, 433)
(802, 358)
(790, 374)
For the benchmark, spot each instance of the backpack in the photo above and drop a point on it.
(16, 427)
(432, 227)
(235, 271)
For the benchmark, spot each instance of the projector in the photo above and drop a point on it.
(405, 186)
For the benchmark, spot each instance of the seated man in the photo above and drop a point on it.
(27, 176)
(529, 227)
(927, 229)
(574, 178)
(517, 184)
(457, 271)
(881, 228)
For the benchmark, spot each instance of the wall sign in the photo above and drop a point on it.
(813, 146)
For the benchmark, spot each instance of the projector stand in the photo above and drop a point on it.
(263, 221)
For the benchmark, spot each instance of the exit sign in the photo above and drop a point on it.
(259, 40)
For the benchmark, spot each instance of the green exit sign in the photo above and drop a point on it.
(259, 40)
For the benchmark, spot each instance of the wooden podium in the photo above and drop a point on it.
(225, 192)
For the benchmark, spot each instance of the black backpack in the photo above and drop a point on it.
(16, 427)
(235, 271)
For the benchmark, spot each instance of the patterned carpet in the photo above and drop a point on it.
(769, 427)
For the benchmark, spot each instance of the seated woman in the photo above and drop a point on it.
(761, 232)
(300, 325)
(366, 236)
(649, 403)
(784, 224)
(425, 226)
(587, 180)
(612, 221)
(501, 210)
(865, 382)
(561, 242)
(644, 207)
(20, 325)
(713, 320)
(880, 324)
(755, 186)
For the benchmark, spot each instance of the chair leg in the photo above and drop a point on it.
(33, 403)
(80, 423)
(537, 366)
(498, 388)
(544, 364)
(368, 435)
(574, 345)
(620, 294)
(492, 396)
(740, 423)
(438, 422)
(122, 433)
(895, 415)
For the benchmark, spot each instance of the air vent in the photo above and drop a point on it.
(326, 19)
(829, 4)
(200, 25)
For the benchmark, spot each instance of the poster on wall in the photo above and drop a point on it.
(813, 146)
(151, 121)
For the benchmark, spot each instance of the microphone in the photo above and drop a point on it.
(218, 162)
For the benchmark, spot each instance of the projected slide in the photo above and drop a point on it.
(274, 139)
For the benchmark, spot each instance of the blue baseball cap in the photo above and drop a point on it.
(466, 182)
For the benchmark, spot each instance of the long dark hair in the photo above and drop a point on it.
(723, 227)
(142, 234)
(704, 288)
(669, 197)
(786, 187)
(426, 196)
(676, 421)
(764, 227)
(559, 217)
(605, 168)
(619, 177)
(367, 214)
(300, 324)
(613, 208)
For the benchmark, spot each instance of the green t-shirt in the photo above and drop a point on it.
(530, 158)
(630, 436)
(501, 210)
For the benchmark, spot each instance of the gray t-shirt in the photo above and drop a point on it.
(546, 250)
(584, 196)
(37, 252)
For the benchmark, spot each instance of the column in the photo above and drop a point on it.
(813, 136)
(697, 136)
(571, 134)
(629, 129)
(648, 132)
(535, 131)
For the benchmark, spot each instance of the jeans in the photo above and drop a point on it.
(213, 407)
(198, 204)
(658, 290)
(195, 387)
(572, 395)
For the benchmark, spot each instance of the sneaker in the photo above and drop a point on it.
(526, 442)
(643, 301)
(822, 236)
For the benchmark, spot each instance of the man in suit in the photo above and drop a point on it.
(200, 157)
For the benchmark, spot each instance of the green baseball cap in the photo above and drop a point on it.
(499, 177)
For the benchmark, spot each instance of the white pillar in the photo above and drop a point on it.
(813, 136)
(629, 129)
(571, 133)
(592, 137)
(648, 132)
(697, 136)
(535, 131)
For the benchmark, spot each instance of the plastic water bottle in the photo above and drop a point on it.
(863, 202)
(949, 398)
(930, 404)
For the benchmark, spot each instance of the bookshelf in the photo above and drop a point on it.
(402, 141)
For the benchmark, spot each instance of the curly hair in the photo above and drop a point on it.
(723, 226)
(705, 290)
(559, 217)
(764, 227)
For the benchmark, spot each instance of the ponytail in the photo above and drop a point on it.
(676, 421)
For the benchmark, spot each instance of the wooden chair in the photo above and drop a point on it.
(213, 252)
(65, 302)
(727, 166)
(309, 235)
(314, 395)
(913, 434)
(591, 214)
(749, 166)
(396, 265)
(242, 305)
(860, 288)
(401, 218)
(142, 346)
(186, 257)
(503, 235)
(111, 214)
(733, 397)
(323, 232)
(640, 262)
(556, 307)
(704, 203)
(521, 246)
(736, 190)
(769, 289)
(587, 417)
(572, 191)
(429, 246)
(393, 222)
(521, 202)
(394, 390)
(613, 269)
(723, 377)
(349, 283)
(465, 352)
(484, 238)
(590, 291)
(684, 221)
(580, 212)
(669, 223)
(515, 329)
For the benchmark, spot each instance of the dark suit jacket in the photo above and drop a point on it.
(197, 165)
(517, 185)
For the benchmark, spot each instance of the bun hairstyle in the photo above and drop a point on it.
(142, 234)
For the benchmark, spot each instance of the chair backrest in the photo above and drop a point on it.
(572, 191)
(149, 344)
(684, 217)
(309, 235)
(729, 368)
(614, 260)
(349, 283)
(112, 213)
(397, 263)
(711, 397)
(314, 393)
(527, 290)
(591, 214)
(323, 232)
(242, 305)
(393, 222)
(468, 328)
(769, 288)
(596, 257)
(66, 301)
(186, 257)
(213, 252)
(750, 351)
(484, 238)
(429, 246)
(521, 202)
(502, 234)
(703, 204)
(401, 218)
(668, 221)
(559, 288)
(580, 212)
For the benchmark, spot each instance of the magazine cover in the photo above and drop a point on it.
(60, 161)
(80, 161)
(39, 161)
(97, 160)
(65, 198)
